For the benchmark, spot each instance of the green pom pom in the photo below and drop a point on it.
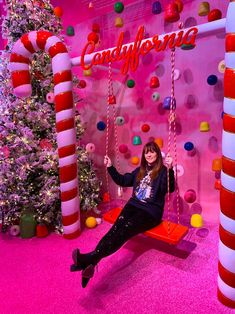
(130, 83)
(70, 31)
(187, 47)
(118, 7)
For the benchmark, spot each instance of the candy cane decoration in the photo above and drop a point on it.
(21, 54)
(226, 278)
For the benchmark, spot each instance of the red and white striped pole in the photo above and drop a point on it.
(21, 54)
(226, 278)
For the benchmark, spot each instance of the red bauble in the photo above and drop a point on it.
(145, 128)
(45, 144)
(154, 82)
(171, 13)
(58, 11)
(93, 37)
(214, 15)
(82, 84)
(41, 230)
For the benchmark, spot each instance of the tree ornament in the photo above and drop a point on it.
(58, 11)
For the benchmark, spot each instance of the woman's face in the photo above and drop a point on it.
(150, 157)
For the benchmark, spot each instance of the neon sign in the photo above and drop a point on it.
(130, 53)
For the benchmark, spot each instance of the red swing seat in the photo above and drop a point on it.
(173, 236)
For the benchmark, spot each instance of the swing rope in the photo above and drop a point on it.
(172, 133)
(109, 97)
(107, 129)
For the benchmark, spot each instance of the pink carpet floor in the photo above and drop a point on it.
(144, 276)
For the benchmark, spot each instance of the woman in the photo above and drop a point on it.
(142, 212)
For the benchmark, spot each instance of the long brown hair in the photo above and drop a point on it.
(152, 147)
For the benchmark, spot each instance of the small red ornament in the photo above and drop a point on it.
(154, 82)
(58, 11)
(38, 75)
(82, 84)
(218, 184)
(5, 151)
(145, 128)
(45, 144)
(106, 197)
(214, 15)
(95, 28)
(93, 37)
(111, 100)
(171, 13)
(41, 230)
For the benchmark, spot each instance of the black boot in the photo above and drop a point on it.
(87, 274)
(86, 263)
(81, 261)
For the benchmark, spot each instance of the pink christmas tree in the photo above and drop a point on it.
(28, 152)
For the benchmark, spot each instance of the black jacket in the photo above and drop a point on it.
(155, 203)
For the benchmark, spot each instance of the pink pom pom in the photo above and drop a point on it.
(90, 148)
(190, 196)
(123, 149)
(50, 98)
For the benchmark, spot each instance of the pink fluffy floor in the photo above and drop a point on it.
(144, 276)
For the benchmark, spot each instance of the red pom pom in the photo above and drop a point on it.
(145, 128)
(93, 37)
(154, 82)
(214, 15)
(171, 13)
(123, 149)
(82, 84)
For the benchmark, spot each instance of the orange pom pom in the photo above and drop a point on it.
(58, 11)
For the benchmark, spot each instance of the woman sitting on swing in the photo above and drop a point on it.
(143, 211)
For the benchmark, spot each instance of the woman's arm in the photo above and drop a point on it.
(126, 179)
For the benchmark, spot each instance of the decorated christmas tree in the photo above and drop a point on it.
(28, 151)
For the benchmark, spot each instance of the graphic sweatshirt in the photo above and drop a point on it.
(146, 195)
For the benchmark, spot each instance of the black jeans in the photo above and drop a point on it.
(130, 222)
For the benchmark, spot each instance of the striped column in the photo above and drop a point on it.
(226, 277)
(20, 58)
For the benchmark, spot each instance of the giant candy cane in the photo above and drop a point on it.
(226, 278)
(22, 52)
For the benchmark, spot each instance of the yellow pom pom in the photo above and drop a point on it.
(196, 221)
(87, 72)
(118, 22)
(91, 222)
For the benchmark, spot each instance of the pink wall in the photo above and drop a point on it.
(196, 100)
